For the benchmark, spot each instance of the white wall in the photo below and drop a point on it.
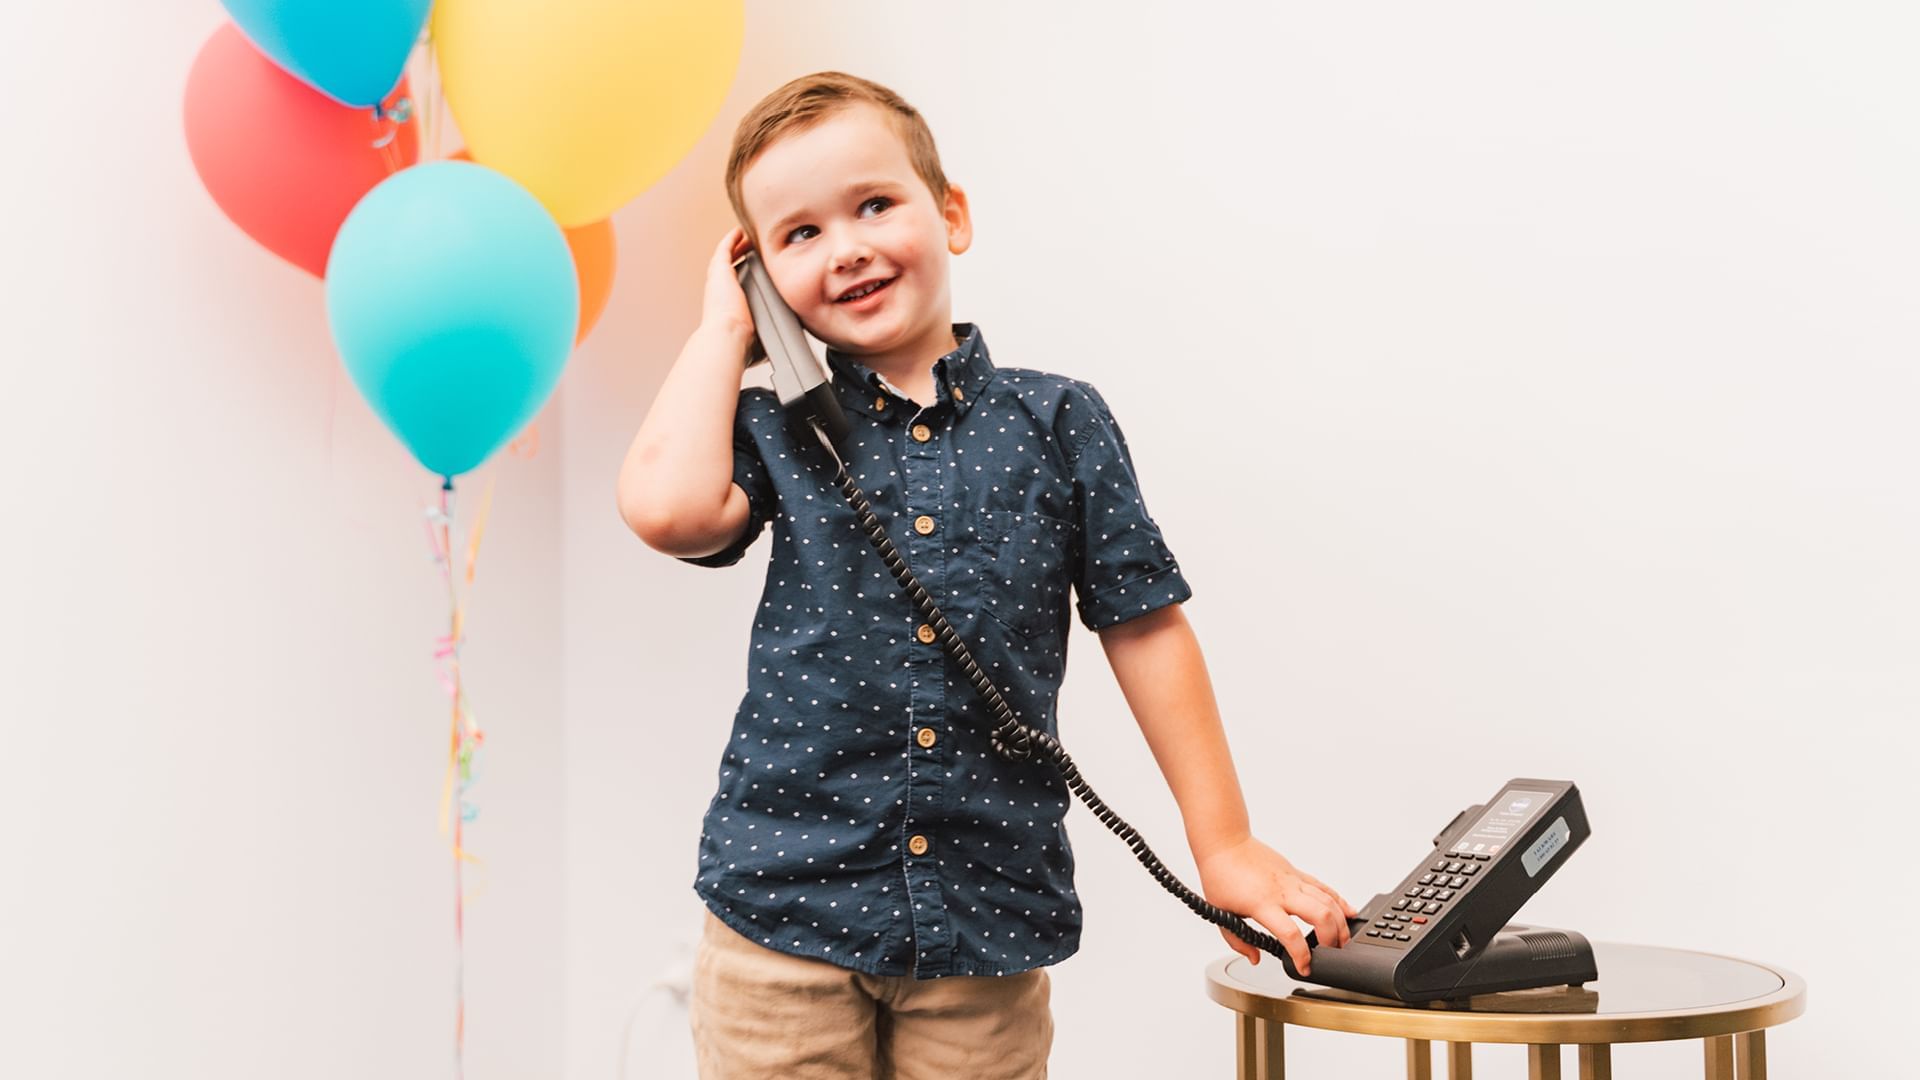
(221, 739)
(1525, 389)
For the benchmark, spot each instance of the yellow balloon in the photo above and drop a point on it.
(585, 102)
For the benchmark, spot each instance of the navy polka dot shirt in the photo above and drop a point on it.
(862, 817)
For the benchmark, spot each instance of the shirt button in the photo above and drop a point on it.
(925, 634)
(880, 404)
(921, 433)
(959, 394)
(917, 845)
(926, 737)
(923, 524)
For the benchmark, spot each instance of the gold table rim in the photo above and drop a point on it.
(1751, 1014)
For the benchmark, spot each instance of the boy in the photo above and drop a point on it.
(884, 891)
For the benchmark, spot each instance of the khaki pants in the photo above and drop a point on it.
(759, 1013)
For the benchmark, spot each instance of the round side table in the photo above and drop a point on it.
(1644, 994)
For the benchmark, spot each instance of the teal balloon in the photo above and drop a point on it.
(453, 301)
(353, 51)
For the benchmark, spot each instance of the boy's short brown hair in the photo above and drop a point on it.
(807, 101)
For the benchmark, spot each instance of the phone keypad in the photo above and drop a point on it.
(1425, 898)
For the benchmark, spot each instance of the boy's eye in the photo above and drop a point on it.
(883, 200)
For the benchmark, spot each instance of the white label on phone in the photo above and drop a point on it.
(1545, 848)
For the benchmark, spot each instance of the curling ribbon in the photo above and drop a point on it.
(465, 737)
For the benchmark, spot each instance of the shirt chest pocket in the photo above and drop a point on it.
(1025, 569)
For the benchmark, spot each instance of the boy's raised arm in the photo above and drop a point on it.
(675, 489)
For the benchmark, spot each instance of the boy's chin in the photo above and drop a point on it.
(864, 342)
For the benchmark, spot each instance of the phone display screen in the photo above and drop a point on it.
(1503, 822)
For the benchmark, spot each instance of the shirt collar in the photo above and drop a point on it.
(967, 368)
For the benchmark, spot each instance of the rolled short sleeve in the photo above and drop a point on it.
(756, 408)
(1125, 569)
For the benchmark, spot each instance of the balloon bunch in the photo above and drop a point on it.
(456, 289)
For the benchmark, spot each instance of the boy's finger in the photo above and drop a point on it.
(1241, 947)
(1328, 926)
(1337, 911)
(1282, 926)
(1345, 907)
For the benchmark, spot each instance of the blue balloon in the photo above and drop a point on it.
(453, 301)
(353, 51)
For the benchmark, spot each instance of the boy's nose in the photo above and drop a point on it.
(851, 254)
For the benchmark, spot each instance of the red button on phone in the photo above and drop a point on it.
(1419, 918)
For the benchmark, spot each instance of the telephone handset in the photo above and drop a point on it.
(1451, 952)
(798, 378)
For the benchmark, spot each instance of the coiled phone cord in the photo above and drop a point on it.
(1016, 741)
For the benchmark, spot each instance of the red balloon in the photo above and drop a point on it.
(283, 161)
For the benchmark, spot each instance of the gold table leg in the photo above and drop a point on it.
(1459, 1061)
(1246, 1047)
(1543, 1061)
(1720, 1057)
(1259, 1049)
(1273, 1050)
(1419, 1059)
(1596, 1061)
(1750, 1055)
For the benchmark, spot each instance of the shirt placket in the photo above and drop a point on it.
(924, 478)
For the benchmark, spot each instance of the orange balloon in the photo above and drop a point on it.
(593, 263)
(593, 260)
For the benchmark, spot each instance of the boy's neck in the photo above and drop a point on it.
(910, 368)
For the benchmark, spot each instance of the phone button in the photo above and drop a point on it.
(925, 634)
(921, 433)
(923, 524)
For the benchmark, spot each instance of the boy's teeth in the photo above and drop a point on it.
(858, 293)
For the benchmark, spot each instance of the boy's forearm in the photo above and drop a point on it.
(675, 481)
(1157, 661)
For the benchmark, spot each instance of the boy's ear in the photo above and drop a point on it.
(959, 220)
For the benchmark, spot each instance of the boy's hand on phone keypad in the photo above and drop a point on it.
(1254, 881)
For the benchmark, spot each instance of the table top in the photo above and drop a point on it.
(1644, 994)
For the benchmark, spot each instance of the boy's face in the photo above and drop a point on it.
(839, 206)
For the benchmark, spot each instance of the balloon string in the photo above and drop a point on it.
(436, 97)
(465, 738)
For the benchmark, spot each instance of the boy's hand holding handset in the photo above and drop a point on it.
(1259, 883)
(723, 310)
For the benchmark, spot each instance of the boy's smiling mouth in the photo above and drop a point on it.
(857, 294)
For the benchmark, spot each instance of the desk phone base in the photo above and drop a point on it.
(1444, 933)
